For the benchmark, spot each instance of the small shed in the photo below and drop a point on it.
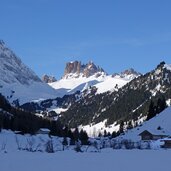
(43, 131)
(146, 136)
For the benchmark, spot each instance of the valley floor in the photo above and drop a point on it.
(107, 160)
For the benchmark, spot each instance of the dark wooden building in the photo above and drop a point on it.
(167, 143)
(146, 136)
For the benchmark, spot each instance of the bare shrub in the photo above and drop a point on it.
(49, 146)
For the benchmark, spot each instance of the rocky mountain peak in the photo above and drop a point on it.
(130, 71)
(76, 69)
(48, 79)
(72, 67)
(128, 74)
(2, 43)
(12, 70)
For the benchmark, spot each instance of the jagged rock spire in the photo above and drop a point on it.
(48, 79)
(80, 69)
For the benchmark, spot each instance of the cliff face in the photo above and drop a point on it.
(77, 69)
(72, 67)
(12, 70)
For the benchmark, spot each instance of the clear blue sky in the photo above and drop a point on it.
(115, 34)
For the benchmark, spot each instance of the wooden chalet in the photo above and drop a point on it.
(146, 136)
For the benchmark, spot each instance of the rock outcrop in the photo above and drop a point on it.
(76, 69)
(130, 71)
(48, 79)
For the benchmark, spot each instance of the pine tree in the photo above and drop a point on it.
(114, 134)
(105, 133)
(1, 122)
(151, 111)
(65, 132)
(64, 143)
(130, 126)
(108, 134)
(161, 104)
(84, 138)
(121, 129)
(76, 135)
(71, 136)
(100, 134)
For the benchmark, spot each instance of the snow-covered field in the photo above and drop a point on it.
(108, 160)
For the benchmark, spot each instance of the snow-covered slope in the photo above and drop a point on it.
(162, 120)
(18, 82)
(111, 83)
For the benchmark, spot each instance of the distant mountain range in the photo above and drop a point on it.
(79, 77)
(129, 104)
(86, 96)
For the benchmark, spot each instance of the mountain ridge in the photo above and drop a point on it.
(78, 77)
(19, 73)
(85, 90)
(18, 83)
(128, 103)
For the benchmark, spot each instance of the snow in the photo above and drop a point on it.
(94, 130)
(110, 83)
(36, 143)
(103, 83)
(54, 107)
(72, 84)
(163, 120)
(168, 102)
(156, 89)
(168, 66)
(11, 158)
(17, 81)
(59, 110)
(36, 91)
(44, 130)
(107, 160)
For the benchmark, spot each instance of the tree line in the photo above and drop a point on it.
(17, 119)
